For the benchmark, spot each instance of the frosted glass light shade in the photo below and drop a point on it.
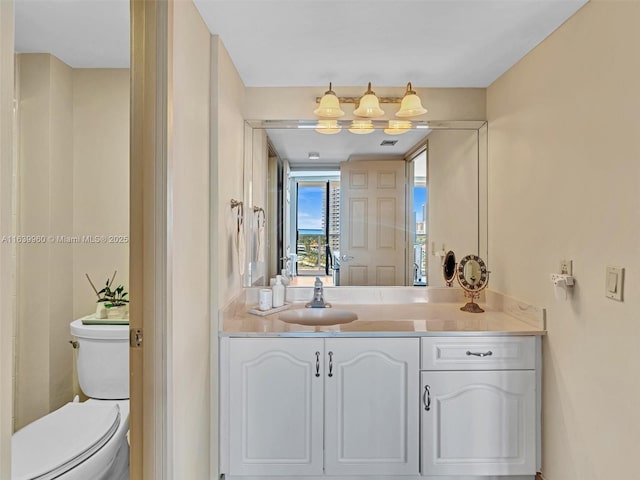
(361, 127)
(328, 127)
(329, 105)
(411, 105)
(398, 127)
(369, 105)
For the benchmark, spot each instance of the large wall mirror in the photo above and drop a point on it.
(374, 209)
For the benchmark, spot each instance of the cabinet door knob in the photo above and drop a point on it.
(480, 354)
(317, 364)
(331, 364)
(426, 398)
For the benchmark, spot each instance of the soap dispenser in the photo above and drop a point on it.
(278, 292)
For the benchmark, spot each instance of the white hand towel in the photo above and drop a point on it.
(240, 244)
(261, 244)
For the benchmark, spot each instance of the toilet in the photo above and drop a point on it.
(83, 440)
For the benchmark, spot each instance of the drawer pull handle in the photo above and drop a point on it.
(331, 364)
(426, 398)
(480, 354)
(317, 364)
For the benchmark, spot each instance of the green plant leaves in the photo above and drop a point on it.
(115, 298)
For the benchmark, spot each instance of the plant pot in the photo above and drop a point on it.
(101, 311)
(120, 312)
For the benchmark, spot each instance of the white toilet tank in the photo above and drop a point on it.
(102, 360)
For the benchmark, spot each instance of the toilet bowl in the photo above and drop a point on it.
(79, 441)
(83, 440)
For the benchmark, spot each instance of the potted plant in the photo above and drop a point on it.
(114, 299)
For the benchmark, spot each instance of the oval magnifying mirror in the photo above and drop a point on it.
(473, 277)
(449, 268)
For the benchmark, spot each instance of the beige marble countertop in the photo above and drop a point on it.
(383, 320)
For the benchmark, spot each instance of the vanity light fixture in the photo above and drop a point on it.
(369, 105)
(329, 105)
(411, 106)
(328, 127)
(361, 127)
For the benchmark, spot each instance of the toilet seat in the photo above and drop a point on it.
(61, 440)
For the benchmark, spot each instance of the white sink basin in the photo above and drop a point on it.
(318, 316)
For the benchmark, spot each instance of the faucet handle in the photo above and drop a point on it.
(318, 283)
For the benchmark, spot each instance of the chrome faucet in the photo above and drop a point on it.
(318, 298)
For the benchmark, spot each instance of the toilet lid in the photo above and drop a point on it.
(61, 440)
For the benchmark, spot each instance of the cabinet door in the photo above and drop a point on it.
(478, 423)
(371, 406)
(275, 424)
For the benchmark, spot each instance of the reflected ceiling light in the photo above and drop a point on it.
(361, 127)
(329, 105)
(411, 105)
(398, 127)
(369, 105)
(328, 127)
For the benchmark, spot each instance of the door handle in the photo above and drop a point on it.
(317, 364)
(426, 398)
(346, 258)
(331, 364)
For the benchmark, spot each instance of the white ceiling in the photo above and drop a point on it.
(81, 33)
(432, 43)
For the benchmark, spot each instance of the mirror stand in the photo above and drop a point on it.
(473, 277)
(471, 306)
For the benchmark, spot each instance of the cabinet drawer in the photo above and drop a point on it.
(478, 353)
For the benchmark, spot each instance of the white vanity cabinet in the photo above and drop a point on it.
(275, 406)
(480, 399)
(432, 407)
(371, 396)
(314, 406)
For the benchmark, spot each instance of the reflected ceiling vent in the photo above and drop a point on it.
(314, 156)
(388, 143)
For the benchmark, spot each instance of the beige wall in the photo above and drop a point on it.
(190, 248)
(100, 180)
(73, 180)
(294, 103)
(45, 278)
(227, 143)
(227, 177)
(453, 196)
(563, 183)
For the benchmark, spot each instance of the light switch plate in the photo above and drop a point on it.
(614, 282)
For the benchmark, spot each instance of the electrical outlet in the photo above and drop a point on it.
(566, 267)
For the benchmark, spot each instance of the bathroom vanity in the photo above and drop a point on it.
(406, 391)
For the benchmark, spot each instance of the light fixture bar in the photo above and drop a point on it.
(356, 100)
